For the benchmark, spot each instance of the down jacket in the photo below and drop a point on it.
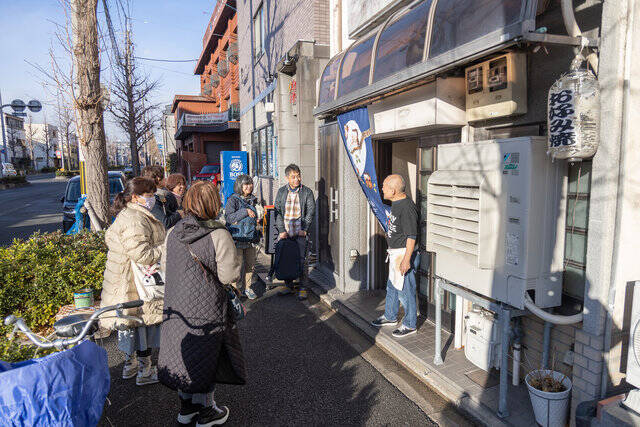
(136, 235)
(200, 341)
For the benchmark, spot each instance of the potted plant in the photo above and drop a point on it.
(549, 391)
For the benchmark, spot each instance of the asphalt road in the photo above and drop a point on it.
(301, 372)
(26, 210)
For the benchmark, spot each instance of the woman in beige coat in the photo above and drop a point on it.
(135, 236)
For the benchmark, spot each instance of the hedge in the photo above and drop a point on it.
(39, 275)
(19, 179)
(66, 173)
(48, 169)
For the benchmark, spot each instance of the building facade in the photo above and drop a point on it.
(425, 72)
(17, 152)
(208, 123)
(45, 143)
(283, 46)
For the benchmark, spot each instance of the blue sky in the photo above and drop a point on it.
(164, 29)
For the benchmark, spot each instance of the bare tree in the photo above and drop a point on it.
(88, 104)
(30, 134)
(131, 87)
(49, 135)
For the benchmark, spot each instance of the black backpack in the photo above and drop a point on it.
(288, 265)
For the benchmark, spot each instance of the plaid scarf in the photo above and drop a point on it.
(293, 212)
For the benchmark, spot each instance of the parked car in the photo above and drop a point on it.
(72, 194)
(128, 173)
(209, 173)
(8, 169)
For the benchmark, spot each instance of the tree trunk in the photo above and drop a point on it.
(88, 105)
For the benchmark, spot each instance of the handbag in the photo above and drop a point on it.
(235, 304)
(245, 230)
(149, 281)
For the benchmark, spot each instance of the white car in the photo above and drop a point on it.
(8, 169)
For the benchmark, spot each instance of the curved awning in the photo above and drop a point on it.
(418, 41)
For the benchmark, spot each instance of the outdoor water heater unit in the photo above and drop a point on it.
(496, 218)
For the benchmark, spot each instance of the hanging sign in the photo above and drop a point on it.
(574, 116)
(356, 135)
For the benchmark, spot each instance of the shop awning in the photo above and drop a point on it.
(423, 39)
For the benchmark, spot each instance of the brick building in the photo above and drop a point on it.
(208, 123)
(283, 47)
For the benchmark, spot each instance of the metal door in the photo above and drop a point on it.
(328, 193)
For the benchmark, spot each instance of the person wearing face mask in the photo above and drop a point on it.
(135, 235)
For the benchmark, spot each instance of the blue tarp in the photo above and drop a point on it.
(80, 219)
(64, 389)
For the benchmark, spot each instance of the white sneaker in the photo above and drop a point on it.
(147, 374)
(130, 368)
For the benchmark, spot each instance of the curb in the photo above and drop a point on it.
(457, 396)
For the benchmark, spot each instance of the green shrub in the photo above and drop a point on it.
(67, 173)
(40, 275)
(19, 179)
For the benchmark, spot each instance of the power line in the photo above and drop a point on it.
(165, 60)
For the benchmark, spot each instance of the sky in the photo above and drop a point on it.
(162, 29)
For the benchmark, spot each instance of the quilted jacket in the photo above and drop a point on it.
(136, 235)
(200, 342)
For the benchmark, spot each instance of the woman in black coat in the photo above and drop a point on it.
(200, 345)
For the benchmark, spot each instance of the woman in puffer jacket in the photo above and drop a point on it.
(135, 236)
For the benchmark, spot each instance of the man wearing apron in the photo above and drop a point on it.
(402, 233)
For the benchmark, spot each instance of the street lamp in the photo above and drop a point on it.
(18, 107)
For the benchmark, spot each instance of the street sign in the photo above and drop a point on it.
(160, 147)
(19, 114)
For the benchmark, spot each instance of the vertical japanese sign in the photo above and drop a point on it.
(562, 131)
(356, 134)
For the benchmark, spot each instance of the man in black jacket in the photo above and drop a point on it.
(295, 207)
(166, 208)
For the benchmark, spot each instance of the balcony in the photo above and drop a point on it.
(208, 123)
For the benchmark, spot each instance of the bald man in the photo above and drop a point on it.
(402, 234)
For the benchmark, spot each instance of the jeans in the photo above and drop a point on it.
(406, 297)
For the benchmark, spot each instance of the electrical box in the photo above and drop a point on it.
(496, 218)
(497, 87)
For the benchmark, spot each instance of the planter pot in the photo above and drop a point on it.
(551, 409)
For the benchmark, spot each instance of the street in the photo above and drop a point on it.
(300, 372)
(25, 210)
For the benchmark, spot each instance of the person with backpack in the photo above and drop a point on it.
(166, 207)
(241, 214)
(294, 206)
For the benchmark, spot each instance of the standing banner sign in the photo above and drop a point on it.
(234, 164)
(356, 135)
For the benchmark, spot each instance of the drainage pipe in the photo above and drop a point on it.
(517, 347)
(437, 358)
(505, 319)
(553, 318)
(570, 23)
(546, 344)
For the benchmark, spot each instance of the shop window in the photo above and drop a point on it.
(328, 80)
(356, 66)
(264, 153)
(258, 32)
(401, 43)
(575, 249)
(461, 21)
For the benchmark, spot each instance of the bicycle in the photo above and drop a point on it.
(68, 387)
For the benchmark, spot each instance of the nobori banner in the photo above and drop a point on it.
(356, 135)
(234, 164)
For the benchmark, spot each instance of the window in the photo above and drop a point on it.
(461, 21)
(328, 80)
(210, 169)
(575, 252)
(264, 155)
(355, 67)
(401, 43)
(258, 32)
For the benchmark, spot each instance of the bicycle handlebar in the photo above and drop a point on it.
(61, 343)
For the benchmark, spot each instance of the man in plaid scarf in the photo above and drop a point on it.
(295, 207)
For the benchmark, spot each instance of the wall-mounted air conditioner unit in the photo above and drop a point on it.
(497, 88)
(496, 218)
